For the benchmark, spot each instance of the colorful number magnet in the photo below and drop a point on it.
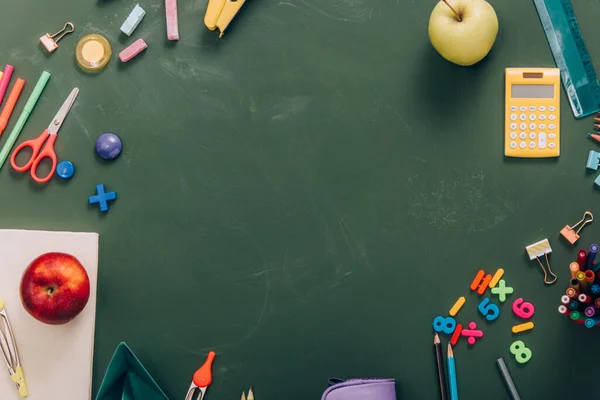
(523, 309)
(481, 282)
(446, 325)
(502, 290)
(489, 310)
(522, 354)
(472, 333)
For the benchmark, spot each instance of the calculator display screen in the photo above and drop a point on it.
(532, 91)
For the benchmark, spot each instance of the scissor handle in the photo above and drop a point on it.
(35, 145)
(37, 155)
(203, 377)
(47, 152)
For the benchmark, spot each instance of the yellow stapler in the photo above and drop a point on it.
(219, 13)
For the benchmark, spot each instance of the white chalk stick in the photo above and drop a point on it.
(172, 24)
(134, 19)
(133, 50)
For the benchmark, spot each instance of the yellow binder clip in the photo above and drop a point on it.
(8, 348)
(219, 13)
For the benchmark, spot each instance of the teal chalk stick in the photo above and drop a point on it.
(29, 106)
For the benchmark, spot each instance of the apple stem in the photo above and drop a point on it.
(453, 10)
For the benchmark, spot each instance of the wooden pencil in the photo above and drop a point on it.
(250, 394)
(440, 367)
(243, 395)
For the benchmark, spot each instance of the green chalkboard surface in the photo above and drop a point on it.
(305, 195)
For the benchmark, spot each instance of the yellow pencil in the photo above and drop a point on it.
(250, 394)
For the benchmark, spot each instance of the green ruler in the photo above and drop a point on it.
(571, 56)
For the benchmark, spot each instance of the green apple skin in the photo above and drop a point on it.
(463, 42)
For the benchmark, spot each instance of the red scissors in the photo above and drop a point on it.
(36, 144)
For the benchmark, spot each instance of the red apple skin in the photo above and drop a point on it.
(55, 288)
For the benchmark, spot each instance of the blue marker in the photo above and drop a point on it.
(452, 375)
(573, 305)
(595, 289)
(591, 322)
(591, 256)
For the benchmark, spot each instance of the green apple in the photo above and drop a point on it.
(463, 31)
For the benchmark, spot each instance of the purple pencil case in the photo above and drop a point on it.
(361, 389)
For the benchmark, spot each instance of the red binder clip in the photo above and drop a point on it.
(569, 232)
(50, 43)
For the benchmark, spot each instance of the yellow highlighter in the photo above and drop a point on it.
(532, 122)
(9, 351)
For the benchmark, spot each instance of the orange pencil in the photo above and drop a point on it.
(594, 136)
(10, 103)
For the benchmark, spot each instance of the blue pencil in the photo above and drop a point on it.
(452, 375)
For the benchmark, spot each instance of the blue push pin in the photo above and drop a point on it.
(65, 169)
(102, 197)
(593, 160)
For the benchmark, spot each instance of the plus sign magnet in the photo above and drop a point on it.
(102, 197)
(502, 290)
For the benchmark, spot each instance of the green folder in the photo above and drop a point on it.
(127, 379)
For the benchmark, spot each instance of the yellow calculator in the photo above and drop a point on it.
(532, 127)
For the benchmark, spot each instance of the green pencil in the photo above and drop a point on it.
(243, 395)
(31, 102)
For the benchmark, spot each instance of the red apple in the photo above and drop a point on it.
(55, 288)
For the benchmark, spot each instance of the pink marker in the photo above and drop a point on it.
(590, 311)
(8, 70)
(472, 333)
(172, 24)
(133, 50)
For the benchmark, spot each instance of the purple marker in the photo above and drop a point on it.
(591, 256)
(590, 311)
(8, 71)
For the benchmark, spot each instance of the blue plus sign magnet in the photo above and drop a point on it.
(102, 197)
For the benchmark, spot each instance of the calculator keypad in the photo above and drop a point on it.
(531, 136)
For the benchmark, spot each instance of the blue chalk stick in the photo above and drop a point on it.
(134, 19)
(593, 160)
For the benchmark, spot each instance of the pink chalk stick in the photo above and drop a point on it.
(133, 50)
(172, 24)
(8, 70)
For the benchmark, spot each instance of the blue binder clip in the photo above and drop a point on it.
(597, 181)
(593, 161)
